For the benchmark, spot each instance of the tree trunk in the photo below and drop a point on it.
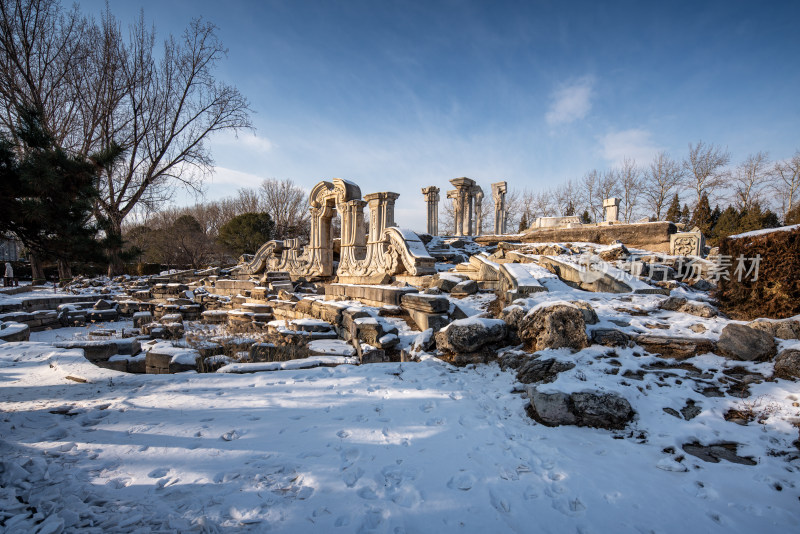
(64, 272)
(37, 271)
(114, 244)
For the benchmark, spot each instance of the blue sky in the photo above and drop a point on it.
(401, 95)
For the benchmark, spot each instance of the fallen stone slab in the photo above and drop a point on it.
(465, 288)
(12, 331)
(164, 358)
(425, 303)
(715, 452)
(305, 363)
(470, 335)
(586, 408)
(679, 348)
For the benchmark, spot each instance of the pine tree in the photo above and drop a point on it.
(674, 211)
(523, 223)
(585, 218)
(751, 219)
(728, 224)
(702, 216)
(48, 197)
(685, 215)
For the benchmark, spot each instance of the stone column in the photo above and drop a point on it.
(611, 210)
(381, 214)
(463, 201)
(477, 199)
(432, 198)
(499, 190)
(353, 231)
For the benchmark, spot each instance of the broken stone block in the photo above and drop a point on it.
(142, 318)
(787, 364)
(610, 337)
(740, 342)
(465, 288)
(780, 328)
(470, 335)
(588, 408)
(679, 348)
(425, 303)
(553, 326)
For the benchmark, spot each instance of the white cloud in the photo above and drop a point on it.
(570, 102)
(223, 176)
(633, 143)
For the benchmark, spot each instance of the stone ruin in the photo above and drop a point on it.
(364, 257)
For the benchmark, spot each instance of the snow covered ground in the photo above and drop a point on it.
(398, 447)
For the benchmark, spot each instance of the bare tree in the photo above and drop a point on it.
(705, 168)
(101, 92)
(787, 183)
(543, 204)
(592, 201)
(750, 179)
(287, 204)
(567, 199)
(608, 185)
(630, 185)
(661, 180)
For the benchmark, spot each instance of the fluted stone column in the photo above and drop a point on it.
(432, 198)
(499, 190)
(463, 202)
(476, 195)
(381, 214)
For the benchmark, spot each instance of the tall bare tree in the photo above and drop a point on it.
(750, 179)
(567, 199)
(705, 168)
(100, 90)
(287, 204)
(590, 185)
(662, 179)
(787, 183)
(630, 186)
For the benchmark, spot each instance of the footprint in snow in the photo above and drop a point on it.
(351, 476)
(230, 435)
(436, 421)
(158, 473)
(343, 434)
(349, 457)
(462, 481)
(367, 493)
(427, 407)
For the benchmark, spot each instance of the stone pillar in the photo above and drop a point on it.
(463, 203)
(499, 190)
(432, 198)
(353, 232)
(381, 214)
(477, 200)
(611, 210)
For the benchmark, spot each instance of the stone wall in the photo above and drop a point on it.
(651, 236)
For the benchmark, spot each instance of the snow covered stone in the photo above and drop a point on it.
(12, 331)
(740, 342)
(586, 408)
(552, 326)
(683, 305)
(470, 335)
(787, 364)
(465, 288)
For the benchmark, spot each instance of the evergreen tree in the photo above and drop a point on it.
(523, 223)
(48, 197)
(685, 215)
(674, 210)
(245, 233)
(702, 216)
(585, 218)
(751, 219)
(793, 216)
(570, 211)
(715, 218)
(728, 224)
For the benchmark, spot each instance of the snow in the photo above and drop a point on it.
(412, 447)
(765, 231)
(332, 346)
